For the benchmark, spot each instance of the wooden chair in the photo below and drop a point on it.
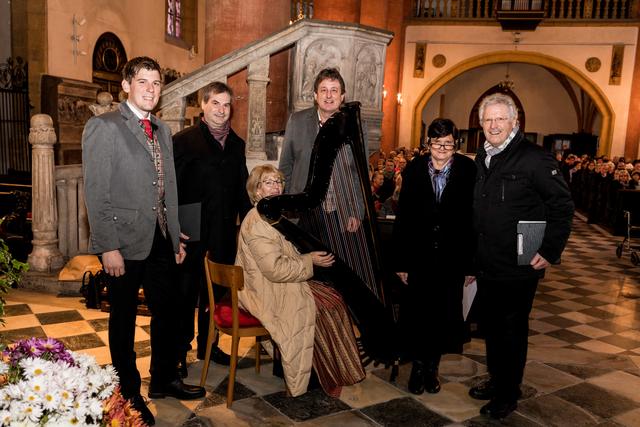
(226, 317)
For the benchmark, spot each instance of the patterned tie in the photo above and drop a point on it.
(157, 159)
(146, 123)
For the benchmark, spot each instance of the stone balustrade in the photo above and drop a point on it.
(554, 10)
(73, 226)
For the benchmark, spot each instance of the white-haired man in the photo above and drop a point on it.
(517, 181)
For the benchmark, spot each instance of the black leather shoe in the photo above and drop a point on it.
(431, 381)
(499, 409)
(217, 356)
(138, 403)
(176, 389)
(483, 391)
(416, 379)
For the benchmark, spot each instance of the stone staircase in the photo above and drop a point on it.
(358, 51)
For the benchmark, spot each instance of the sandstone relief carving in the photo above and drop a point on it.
(368, 82)
(320, 54)
(73, 110)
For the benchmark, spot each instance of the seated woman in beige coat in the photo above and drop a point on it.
(307, 320)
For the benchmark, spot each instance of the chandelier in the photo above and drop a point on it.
(506, 84)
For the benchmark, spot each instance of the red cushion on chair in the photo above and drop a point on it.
(223, 317)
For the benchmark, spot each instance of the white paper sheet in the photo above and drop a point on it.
(468, 294)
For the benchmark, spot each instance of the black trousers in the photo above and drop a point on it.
(431, 314)
(193, 284)
(504, 308)
(156, 274)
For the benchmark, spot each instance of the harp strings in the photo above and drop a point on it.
(344, 202)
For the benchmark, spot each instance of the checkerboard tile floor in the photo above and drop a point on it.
(583, 369)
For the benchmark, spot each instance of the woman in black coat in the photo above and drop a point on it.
(434, 214)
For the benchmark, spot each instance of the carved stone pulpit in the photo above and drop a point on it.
(359, 54)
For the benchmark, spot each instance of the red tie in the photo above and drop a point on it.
(147, 127)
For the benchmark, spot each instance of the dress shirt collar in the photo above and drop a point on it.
(139, 114)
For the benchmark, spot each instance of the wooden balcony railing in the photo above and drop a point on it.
(557, 10)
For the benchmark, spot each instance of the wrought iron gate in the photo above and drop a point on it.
(15, 153)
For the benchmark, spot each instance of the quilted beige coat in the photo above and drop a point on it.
(276, 292)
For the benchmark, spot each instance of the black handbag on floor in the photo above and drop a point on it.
(92, 288)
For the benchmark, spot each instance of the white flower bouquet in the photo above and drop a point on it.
(42, 383)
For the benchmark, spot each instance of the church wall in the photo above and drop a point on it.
(232, 24)
(140, 25)
(547, 105)
(573, 45)
(5, 31)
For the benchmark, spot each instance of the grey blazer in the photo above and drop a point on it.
(120, 184)
(295, 157)
(299, 136)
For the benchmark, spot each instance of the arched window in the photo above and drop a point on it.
(181, 27)
(109, 58)
(174, 18)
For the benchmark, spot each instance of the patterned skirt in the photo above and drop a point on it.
(335, 353)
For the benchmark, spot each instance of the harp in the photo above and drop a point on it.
(335, 213)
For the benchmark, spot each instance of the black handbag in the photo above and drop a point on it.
(93, 286)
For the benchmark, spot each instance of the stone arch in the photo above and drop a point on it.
(592, 89)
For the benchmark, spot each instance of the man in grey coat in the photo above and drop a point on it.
(131, 198)
(303, 127)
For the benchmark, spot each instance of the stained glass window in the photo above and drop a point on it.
(174, 18)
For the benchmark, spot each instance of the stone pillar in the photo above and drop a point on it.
(45, 257)
(632, 140)
(173, 115)
(258, 78)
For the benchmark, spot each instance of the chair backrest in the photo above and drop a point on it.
(228, 276)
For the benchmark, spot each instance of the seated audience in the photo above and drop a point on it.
(377, 179)
(625, 180)
(634, 184)
(307, 319)
(389, 180)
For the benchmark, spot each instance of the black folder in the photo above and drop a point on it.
(530, 235)
(189, 217)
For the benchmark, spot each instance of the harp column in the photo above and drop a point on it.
(257, 78)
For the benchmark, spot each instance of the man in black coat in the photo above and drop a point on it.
(211, 170)
(517, 181)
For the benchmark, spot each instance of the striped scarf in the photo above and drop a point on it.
(220, 133)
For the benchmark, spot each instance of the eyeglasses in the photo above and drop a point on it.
(447, 147)
(272, 182)
(497, 120)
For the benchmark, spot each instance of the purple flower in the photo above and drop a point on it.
(45, 348)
